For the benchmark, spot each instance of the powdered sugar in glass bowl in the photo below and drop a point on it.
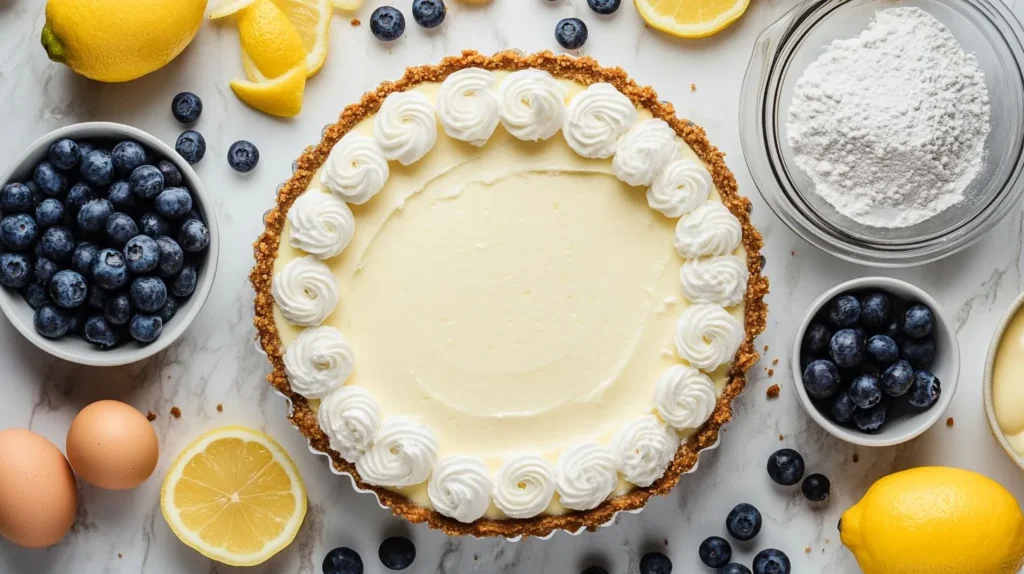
(987, 29)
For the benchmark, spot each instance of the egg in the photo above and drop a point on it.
(38, 497)
(111, 445)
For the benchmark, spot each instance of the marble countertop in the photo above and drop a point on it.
(216, 362)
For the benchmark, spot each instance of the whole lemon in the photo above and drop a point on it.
(935, 520)
(119, 40)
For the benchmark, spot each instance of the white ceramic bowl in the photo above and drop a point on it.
(946, 366)
(75, 349)
(990, 362)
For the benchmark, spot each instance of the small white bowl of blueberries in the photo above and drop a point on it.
(875, 361)
(109, 244)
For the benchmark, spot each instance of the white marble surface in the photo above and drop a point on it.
(216, 362)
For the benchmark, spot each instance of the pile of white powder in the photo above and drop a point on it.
(891, 125)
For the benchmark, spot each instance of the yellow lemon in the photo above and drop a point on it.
(119, 40)
(228, 7)
(281, 96)
(935, 520)
(312, 20)
(349, 5)
(270, 39)
(235, 496)
(691, 18)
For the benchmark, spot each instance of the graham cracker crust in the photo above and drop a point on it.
(585, 71)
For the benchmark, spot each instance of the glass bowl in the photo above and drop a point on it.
(985, 28)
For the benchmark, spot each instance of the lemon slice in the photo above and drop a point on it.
(691, 18)
(348, 5)
(270, 39)
(281, 96)
(228, 7)
(235, 496)
(312, 20)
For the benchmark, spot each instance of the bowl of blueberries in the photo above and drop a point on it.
(108, 244)
(875, 361)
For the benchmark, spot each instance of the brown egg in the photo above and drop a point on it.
(38, 497)
(112, 445)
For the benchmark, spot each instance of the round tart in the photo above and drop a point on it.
(510, 294)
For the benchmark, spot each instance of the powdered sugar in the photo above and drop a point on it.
(891, 125)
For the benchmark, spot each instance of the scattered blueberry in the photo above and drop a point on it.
(428, 13)
(64, 154)
(715, 552)
(50, 181)
(83, 256)
(170, 309)
(153, 225)
(148, 294)
(57, 244)
(844, 311)
(186, 107)
(173, 202)
(68, 289)
(865, 391)
(120, 228)
(771, 561)
(387, 24)
(785, 467)
(16, 270)
(816, 488)
(45, 269)
(604, 6)
(733, 568)
(918, 321)
(118, 309)
(847, 348)
(342, 561)
(191, 146)
(120, 195)
(15, 197)
(171, 257)
(127, 156)
(871, 420)
(184, 284)
(97, 297)
(18, 231)
(896, 380)
(194, 236)
(109, 269)
(243, 156)
(397, 553)
(79, 194)
(918, 352)
(883, 349)
(49, 212)
(146, 181)
(50, 322)
(925, 390)
(100, 333)
(97, 168)
(842, 408)
(171, 173)
(571, 33)
(743, 522)
(875, 310)
(142, 254)
(816, 339)
(655, 563)
(821, 379)
(93, 215)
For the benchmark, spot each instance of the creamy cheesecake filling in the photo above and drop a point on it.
(515, 298)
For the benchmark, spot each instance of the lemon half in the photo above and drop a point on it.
(691, 18)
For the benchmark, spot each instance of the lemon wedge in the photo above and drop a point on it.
(270, 39)
(228, 7)
(312, 20)
(235, 496)
(691, 18)
(281, 96)
(348, 5)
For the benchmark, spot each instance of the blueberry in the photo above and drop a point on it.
(145, 328)
(184, 283)
(15, 197)
(342, 561)
(847, 348)
(35, 193)
(192, 214)
(918, 321)
(772, 561)
(79, 194)
(50, 181)
(397, 553)
(733, 568)
(49, 212)
(191, 146)
(896, 380)
(604, 6)
(715, 552)
(743, 522)
(18, 231)
(97, 168)
(816, 488)
(194, 236)
(594, 570)
(68, 289)
(127, 156)
(918, 352)
(99, 332)
(186, 107)
(842, 408)
(35, 295)
(169, 310)
(146, 181)
(173, 202)
(85, 147)
(243, 156)
(76, 321)
(109, 269)
(428, 13)
(45, 269)
(83, 256)
(655, 563)
(153, 225)
(171, 173)
(171, 257)
(118, 309)
(821, 379)
(120, 195)
(875, 310)
(97, 298)
(120, 228)
(785, 467)
(142, 254)
(93, 215)
(148, 294)
(57, 243)
(925, 390)
(865, 391)
(50, 322)
(64, 154)
(882, 349)
(871, 420)
(16, 270)
(387, 24)
(571, 33)
(816, 339)
(844, 311)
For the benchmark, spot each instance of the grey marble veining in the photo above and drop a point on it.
(217, 362)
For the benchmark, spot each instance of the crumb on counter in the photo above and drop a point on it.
(807, 550)
(176, 412)
(119, 555)
(775, 362)
(771, 372)
(766, 348)
(220, 408)
(782, 437)
(856, 458)
(356, 22)
(792, 253)
(773, 391)
(693, 87)
(150, 416)
(950, 422)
